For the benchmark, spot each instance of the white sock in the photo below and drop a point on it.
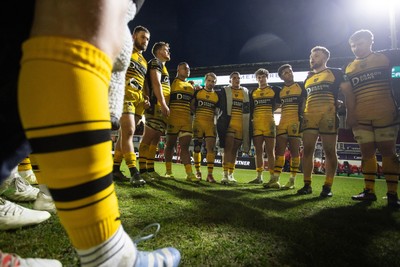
(118, 250)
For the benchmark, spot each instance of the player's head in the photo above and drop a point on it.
(285, 72)
(262, 77)
(141, 38)
(183, 70)
(161, 51)
(234, 79)
(361, 43)
(262, 71)
(318, 57)
(210, 80)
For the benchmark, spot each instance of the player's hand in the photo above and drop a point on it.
(146, 102)
(164, 110)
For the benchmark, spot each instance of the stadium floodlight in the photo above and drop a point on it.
(392, 17)
(388, 7)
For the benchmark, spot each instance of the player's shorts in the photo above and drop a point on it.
(203, 129)
(235, 129)
(320, 123)
(133, 102)
(155, 120)
(265, 129)
(176, 127)
(289, 128)
(379, 130)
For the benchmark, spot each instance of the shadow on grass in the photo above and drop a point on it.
(304, 230)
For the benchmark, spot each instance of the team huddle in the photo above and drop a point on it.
(238, 117)
(73, 53)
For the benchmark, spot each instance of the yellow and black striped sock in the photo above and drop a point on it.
(69, 140)
(143, 152)
(130, 159)
(197, 161)
(36, 169)
(188, 168)
(168, 167)
(25, 165)
(210, 157)
(369, 168)
(231, 167)
(117, 160)
(294, 166)
(151, 156)
(279, 161)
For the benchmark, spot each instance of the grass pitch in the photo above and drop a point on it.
(242, 224)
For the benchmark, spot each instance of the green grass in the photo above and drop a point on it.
(242, 225)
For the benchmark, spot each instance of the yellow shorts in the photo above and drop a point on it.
(176, 127)
(321, 123)
(379, 130)
(133, 102)
(155, 119)
(264, 128)
(235, 129)
(203, 129)
(291, 128)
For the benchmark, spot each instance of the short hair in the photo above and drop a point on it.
(140, 28)
(281, 68)
(233, 73)
(158, 46)
(262, 71)
(324, 50)
(361, 34)
(212, 74)
(182, 63)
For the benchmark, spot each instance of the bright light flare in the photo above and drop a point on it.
(381, 10)
(378, 6)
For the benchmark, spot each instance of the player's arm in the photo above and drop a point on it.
(350, 102)
(277, 103)
(193, 102)
(155, 79)
(146, 94)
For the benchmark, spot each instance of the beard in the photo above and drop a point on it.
(140, 47)
(315, 65)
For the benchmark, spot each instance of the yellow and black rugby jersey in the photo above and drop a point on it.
(136, 72)
(322, 90)
(264, 101)
(370, 78)
(205, 103)
(237, 103)
(166, 89)
(292, 98)
(180, 99)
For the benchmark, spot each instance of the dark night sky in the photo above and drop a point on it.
(221, 32)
